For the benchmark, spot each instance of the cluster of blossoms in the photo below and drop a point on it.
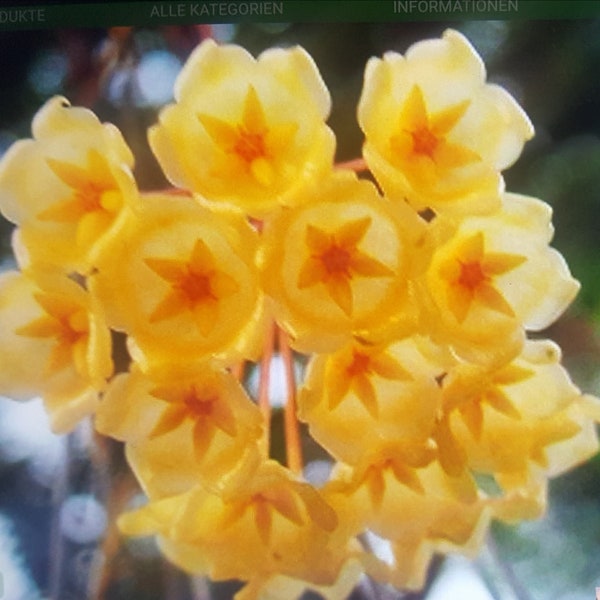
(407, 294)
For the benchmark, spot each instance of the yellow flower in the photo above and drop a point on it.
(338, 264)
(404, 497)
(494, 276)
(335, 259)
(246, 132)
(423, 115)
(410, 298)
(519, 501)
(184, 424)
(282, 586)
(516, 419)
(387, 392)
(53, 343)
(66, 187)
(181, 280)
(196, 286)
(280, 520)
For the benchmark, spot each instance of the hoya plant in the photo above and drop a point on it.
(404, 291)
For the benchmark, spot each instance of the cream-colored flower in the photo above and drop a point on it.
(494, 277)
(387, 392)
(404, 497)
(181, 281)
(437, 135)
(53, 343)
(338, 264)
(66, 187)
(518, 420)
(246, 132)
(280, 520)
(184, 424)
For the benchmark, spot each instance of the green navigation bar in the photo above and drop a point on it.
(187, 12)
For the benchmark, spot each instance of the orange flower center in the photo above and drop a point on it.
(424, 141)
(93, 186)
(196, 287)
(336, 260)
(421, 145)
(471, 275)
(198, 405)
(360, 364)
(249, 146)
(64, 322)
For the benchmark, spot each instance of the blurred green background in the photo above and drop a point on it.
(125, 75)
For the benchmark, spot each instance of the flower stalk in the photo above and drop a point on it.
(293, 442)
(264, 383)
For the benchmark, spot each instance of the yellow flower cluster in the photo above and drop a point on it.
(410, 300)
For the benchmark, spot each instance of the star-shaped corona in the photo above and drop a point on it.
(470, 276)
(251, 145)
(335, 260)
(421, 141)
(339, 263)
(50, 317)
(192, 281)
(196, 286)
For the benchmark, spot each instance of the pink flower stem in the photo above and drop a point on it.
(238, 370)
(263, 383)
(356, 165)
(293, 444)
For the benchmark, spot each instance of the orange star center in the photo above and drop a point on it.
(94, 189)
(360, 364)
(64, 322)
(335, 259)
(197, 286)
(203, 406)
(420, 143)
(424, 141)
(252, 141)
(470, 275)
(250, 146)
(197, 404)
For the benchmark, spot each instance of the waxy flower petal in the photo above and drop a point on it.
(247, 132)
(278, 518)
(54, 344)
(494, 277)
(184, 424)
(338, 264)
(522, 416)
(281, 586)
(388, 392)
(191, 281)
(421, 114)
(67, 187)
(420, 515)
